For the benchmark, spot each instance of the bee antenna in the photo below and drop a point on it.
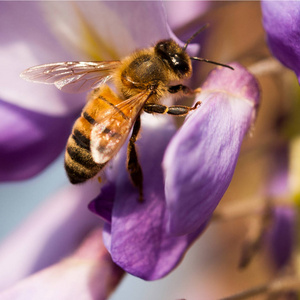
(211, 62)
(194, 35)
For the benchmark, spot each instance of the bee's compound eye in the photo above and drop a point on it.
(173, 56)
(180, 64)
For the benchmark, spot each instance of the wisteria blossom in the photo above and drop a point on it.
(87, 236)
(130, 221)
(281, 21)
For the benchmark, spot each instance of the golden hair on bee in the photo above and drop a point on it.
(141, 81)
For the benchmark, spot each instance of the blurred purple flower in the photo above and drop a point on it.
(281, 20)
(198, 160)
(29, 140)
(88, 273)
(281, 237)
(49, 234)
(35, 122)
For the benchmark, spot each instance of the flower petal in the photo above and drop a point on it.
(51, 233)
(181, 13)
(106, 30)
(29, 141)
(102, 205)
(281, 20)
(137, 237)
(87, 274)
(26, 41)
(200, 160)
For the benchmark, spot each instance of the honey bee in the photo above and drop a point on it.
(141, 81)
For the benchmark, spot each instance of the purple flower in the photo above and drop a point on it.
(136, 237)
(198, 161)
(281, 20)
(185, 173)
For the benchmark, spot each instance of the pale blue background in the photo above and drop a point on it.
(18, 199)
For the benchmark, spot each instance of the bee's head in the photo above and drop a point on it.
(175, 57)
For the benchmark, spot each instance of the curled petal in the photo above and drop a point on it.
(29, 141)
(281, 20)
(137, 238)
(200, 160)
(87, 274)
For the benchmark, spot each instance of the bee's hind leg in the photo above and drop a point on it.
(133, 166)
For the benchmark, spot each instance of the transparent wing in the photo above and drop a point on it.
(112, 128)
(72, 77)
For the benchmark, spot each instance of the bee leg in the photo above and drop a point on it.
(175, 110)
(182, 88)
(133, 166)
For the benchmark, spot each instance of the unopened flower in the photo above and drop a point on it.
(281, 237)
(281, 20)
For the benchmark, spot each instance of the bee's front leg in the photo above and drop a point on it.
(183, 88)
(175, 110)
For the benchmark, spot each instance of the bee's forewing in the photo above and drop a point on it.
(72, 77)
(112, 128)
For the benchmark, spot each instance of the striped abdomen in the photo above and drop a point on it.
(79, 163)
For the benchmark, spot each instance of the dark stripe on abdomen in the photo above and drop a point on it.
(79, 175)
(79, 165)
(90, 119)
(81, 140)
(82, 157)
